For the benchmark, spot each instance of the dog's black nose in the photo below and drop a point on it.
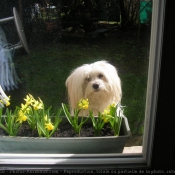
(95, 86)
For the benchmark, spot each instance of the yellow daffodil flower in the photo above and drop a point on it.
(106, 111)
(5, 101)
(83, 104)
(22, 117)
(49, 126)
(28, 109)
(21, 113)
(113, 105)
(29, 99)
(23, 107)
(37, 105)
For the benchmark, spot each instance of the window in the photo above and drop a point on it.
(95, 161)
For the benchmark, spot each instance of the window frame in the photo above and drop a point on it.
(109, 161)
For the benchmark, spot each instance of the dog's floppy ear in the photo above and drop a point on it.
(74, 87)
(113, 80)
(116, 88)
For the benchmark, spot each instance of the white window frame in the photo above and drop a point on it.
(108, 161)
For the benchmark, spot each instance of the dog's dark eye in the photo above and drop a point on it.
(87, 79)
(100, 75)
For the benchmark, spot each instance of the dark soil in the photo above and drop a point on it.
(65, 130)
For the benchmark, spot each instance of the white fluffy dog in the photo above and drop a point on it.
(99, 82)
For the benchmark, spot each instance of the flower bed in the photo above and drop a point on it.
(38, 118)
(33, 129)
(59, 143)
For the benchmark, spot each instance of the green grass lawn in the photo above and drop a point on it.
(43, 72)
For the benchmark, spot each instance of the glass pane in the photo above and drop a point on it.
(64, 35)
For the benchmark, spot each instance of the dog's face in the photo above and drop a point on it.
(95, 81)
(99, 82)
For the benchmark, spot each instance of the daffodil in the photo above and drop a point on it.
(113, 104)
(29, 99)
(22, 117)
(109, 115)
(20, 113)
(8, 123)
(24, 106)
(5, 101)
(114, 118)
(33, 112)
(106, 114)
(38, 117)
(37, 105)
(49, 126)
(106, 111)
(83, 104)
(73, 120)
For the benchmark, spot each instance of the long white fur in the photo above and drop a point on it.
(80, 85)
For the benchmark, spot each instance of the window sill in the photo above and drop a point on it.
(133, 149)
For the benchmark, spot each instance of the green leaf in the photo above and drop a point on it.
(40, 128)
(67, 114)
(4, 128)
